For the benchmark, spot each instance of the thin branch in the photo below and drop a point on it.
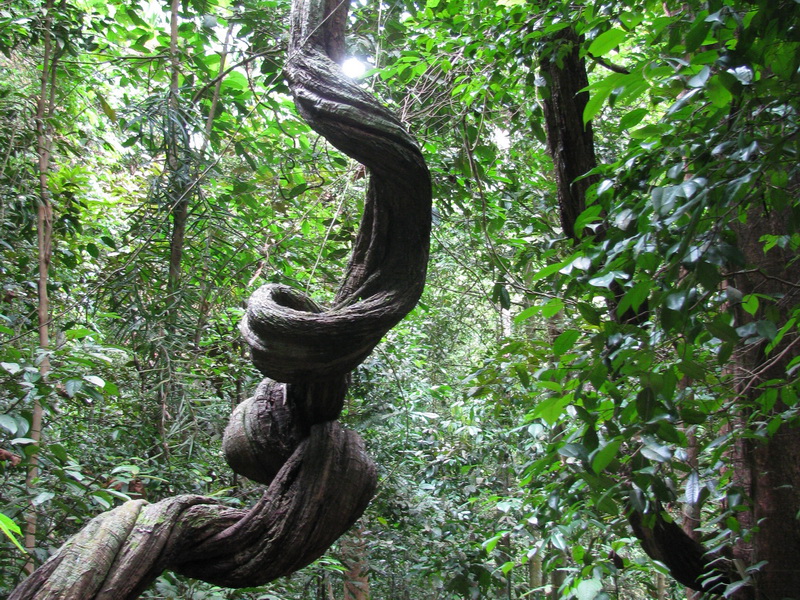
(610, 66)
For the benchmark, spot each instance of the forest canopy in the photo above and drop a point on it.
(597, 394)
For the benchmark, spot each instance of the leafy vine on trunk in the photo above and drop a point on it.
(286, 436)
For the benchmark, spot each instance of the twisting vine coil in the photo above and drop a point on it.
(286, 436)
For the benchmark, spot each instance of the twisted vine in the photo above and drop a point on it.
(286, 436)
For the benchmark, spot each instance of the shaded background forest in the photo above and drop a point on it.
(552, 379)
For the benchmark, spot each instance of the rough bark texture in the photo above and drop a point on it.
(319, 477)
(570, 142)
(768, 470)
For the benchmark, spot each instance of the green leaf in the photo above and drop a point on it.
(550, 409)
(655, 451)
(722, 330)
(607, 41)
(72, 387)
(552, 307)
(632, 118)
(719, 95)
(635, 297)
(76, 334)
(297, 190)
(572, 450)
(750, 303)
(236, 81)
(58, 451)
(766, 329)
(42, 497)
(526, 314)
(8, 423)
(565, 341)
(109, 112)
(95, 380)
(11, 530)
(692, 370)
(12, 368)
(588, 589)
(692, 494)
(646, 404)
(492, 542)
(693, 416)
(697, 34)
(605, 456)
(599, 92)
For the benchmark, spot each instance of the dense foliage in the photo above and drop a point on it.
(550, 381)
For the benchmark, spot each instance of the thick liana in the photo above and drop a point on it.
(319, 477)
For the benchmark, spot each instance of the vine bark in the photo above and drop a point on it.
(318, 474)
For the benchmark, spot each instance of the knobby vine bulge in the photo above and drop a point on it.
(286, 436)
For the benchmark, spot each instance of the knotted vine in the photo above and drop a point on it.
(319, 478)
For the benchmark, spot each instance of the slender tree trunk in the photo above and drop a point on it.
(44, 232)
(691, 510)
(178, 192)
(557, 578)
(661, 587)
(535, 576)
(354, 557)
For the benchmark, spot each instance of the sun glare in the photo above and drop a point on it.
(354, 68)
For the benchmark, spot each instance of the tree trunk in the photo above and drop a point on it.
(354, 557)
(768, 467)
(569, 141)
(44, 231)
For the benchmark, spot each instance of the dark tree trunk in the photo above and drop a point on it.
(570, 142)
(768, 467)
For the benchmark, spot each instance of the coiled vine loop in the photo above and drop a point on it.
(318, 474)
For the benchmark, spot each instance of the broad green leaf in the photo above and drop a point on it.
(73, 386)
(607, 41)
(12, 368)
(565, 341)
(750, 304)
(605, 456)
(552, 307)
(718, 93)
(692, 370)
(588, 589)
(655, 451)
(492, 542)
(572, 450)
(587, 217)
(8, 423)
(635, 297)
(632, 118)
(766, 329)
(526, 314)
(692, 494)
(697, 34)
(236, 80)
(95, 380)
(58, 451)
(550, 409)
(42, 497)
(76, 334)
